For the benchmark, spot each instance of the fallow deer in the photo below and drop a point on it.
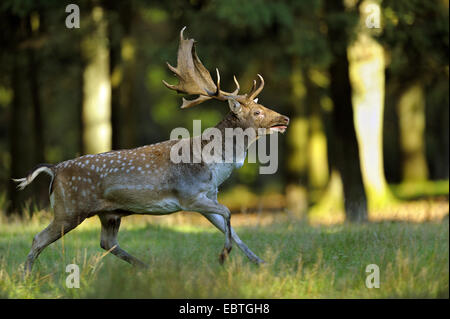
(144, 180)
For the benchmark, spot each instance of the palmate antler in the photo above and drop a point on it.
(195, 79)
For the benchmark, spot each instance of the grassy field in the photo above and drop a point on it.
(303, 260)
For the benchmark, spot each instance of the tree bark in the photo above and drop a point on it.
(16, 133)
(119, 25)
(411, 114)
(296, 167)
(318, 170)
(367, 79)
(96, 112)
(345, 151)
(38, 126)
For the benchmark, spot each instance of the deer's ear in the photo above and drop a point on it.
(235, 106)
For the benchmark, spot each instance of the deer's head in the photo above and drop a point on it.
(195, 79)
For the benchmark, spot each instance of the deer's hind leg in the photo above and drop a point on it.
(108, 241)
(60, 226)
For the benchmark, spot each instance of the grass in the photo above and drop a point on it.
(303, 261)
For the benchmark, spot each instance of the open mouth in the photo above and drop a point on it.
(278, 128)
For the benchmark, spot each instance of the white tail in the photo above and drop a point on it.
(25, 181)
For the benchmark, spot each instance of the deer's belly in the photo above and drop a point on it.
(156, 207)
(142, 199)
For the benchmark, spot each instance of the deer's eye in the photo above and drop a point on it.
(256, 113)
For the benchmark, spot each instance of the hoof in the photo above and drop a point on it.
(26, 271)
(222, 258)
(223, 255)
(143, 266)
(261, 262)
(258, 261)
(139, 264)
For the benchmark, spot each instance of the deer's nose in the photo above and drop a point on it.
(285, 119)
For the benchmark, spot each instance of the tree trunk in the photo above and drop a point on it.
(318, 170)
(115, 69)
(411, 114)
(115, 35)
(444, 157)
(297, 143)
(80, 101)
(96, 87)
(121, 52)
(38, 126)
(367, 79)
(345, 151)
(18, 150)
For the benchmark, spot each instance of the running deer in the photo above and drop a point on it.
(145, 180)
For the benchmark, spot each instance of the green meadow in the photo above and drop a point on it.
(302, 260)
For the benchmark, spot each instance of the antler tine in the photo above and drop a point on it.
(218, 82)
(252, 89)
(238, 87)
(181, 33)
(254, 93)
(217, 93)
(170, 86)
(189, 103)
(173, 69)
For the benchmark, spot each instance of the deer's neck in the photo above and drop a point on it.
(234, 137)
(229, 121)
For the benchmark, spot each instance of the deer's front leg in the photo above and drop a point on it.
(219, 222)
(206, 206)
